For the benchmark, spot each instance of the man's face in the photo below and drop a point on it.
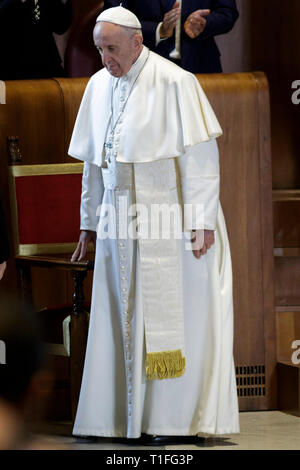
(117, 47)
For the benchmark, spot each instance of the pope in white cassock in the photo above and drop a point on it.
(159, 356)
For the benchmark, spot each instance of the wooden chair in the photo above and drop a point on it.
(45, 205)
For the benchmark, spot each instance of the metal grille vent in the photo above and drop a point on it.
(251, 381)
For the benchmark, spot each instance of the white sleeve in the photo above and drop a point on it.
(200, 185)
(91, 196)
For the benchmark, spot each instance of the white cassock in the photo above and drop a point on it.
(116, 398)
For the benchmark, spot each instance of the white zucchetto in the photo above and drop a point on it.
(120, 16)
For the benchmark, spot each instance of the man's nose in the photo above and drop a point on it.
(105, 58)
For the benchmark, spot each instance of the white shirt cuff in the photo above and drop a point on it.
(158, 38)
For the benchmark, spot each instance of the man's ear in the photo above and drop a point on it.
(138, 41)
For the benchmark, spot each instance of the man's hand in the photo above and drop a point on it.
(170, 20)
(195, 23)
(202, 242)
(2, 269)
(86, 237)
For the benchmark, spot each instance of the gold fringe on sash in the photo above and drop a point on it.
(165, 365)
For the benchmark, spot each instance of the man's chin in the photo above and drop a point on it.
(114, 72)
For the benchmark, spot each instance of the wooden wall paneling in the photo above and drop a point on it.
(35, 114)
(289, 388)
(288, 331)
(264, 40)
(71, 92)
(286, 208)
(287, 281)
(238, 146)
(286, 205)
(274, 44)
(245, 160)
(266, 232)
(288, 338)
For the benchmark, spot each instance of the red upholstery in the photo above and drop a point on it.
(48, 208)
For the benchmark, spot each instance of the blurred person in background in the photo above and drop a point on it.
(28, 48)
(24, 380)
(4, 244)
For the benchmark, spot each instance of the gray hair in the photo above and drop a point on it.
(132, 31)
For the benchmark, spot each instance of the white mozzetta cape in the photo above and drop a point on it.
(165, 114)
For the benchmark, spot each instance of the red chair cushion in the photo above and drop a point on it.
(48, 208)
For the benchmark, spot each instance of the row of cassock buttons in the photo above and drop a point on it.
(126, 321)
(118, 131)
(124, 285)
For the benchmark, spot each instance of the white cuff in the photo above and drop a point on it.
(158, 39)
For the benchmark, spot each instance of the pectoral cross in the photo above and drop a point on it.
(108, 146)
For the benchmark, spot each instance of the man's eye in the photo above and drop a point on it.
(111, 49)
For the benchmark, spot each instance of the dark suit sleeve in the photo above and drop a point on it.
(4, 245)
(5, 5)
(60, 15)
(149, 33)
(221, 20)
(113, 3)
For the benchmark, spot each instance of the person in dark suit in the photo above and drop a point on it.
(201, 20)
(4, 245)
(28, 48)
(25, 377)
